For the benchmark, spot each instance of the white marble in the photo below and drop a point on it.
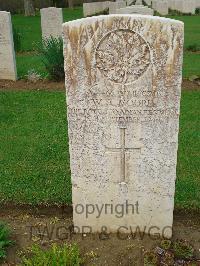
(113, 6)
(162, 7)
(7, 54)
(51, 22)
(123, 84)
(90, 9)
(143, 10)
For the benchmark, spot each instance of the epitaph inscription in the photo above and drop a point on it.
(123, 81)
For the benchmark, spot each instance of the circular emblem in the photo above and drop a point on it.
(122, 56)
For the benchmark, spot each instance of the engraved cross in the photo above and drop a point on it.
(123, 149)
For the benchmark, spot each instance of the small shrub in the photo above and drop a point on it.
(4, 240)
(17, 38)
(104, 12)
(165, 244)
(51, 51)
(33, 76)
(173, 12)
(197, 11)
(150, 259)
(66, 255)
(183, 250)
(168, 259)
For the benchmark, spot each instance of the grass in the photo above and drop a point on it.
(187, 186)
(31, 29)
(55, 255)
(191, 64)
(191, 61)
(31, 26)
(34, 149)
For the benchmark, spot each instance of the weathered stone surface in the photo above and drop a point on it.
(161, 7)
(51, 22)
(123, 82)
(184, 6)
(143, 10)
(188, 6)
(113, 6)
(93, 8)
(148, 2)
(197, 4)
(129, 2)
(7, 53)
(138, 2)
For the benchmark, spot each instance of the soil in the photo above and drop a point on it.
(46, 85)
(28, 227)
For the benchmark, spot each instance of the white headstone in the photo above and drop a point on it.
(113, 6)
(7, 53)
(185, 6)
(188, 6)
(51, 22)
(129, 2)
(197, 5)
(123, 82)
(143, 10)
(138, 2)
(161, 7)
(148, 2)
(93, 8)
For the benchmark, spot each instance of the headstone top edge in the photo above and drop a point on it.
(4, 12)
(51, 7)
(78, 22)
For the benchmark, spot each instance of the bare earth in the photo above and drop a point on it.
(47, 225)
(47, 85)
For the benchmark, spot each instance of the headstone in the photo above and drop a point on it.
(138, 2)
(197, 5)
(113, 6)
(129, 2)
(188, 7)
(161, 7)
(7, 53)
(148, 2)
(143, 10)
(51, 22)
(184, 6)
(123, 82)
(90, 9)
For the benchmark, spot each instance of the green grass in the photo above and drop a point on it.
(31, 29)
(34, 150)
(191, 64)
(187, 186)
(31, 26)
(26, 62)
(191, 25)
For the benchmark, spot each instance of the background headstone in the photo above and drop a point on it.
(51, 22)
(93, 8)
(161, 7)
(136, 9)
(138, 2)
(7, 53)
(123, 82)
(113, 6)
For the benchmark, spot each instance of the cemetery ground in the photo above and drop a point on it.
(35, 172)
